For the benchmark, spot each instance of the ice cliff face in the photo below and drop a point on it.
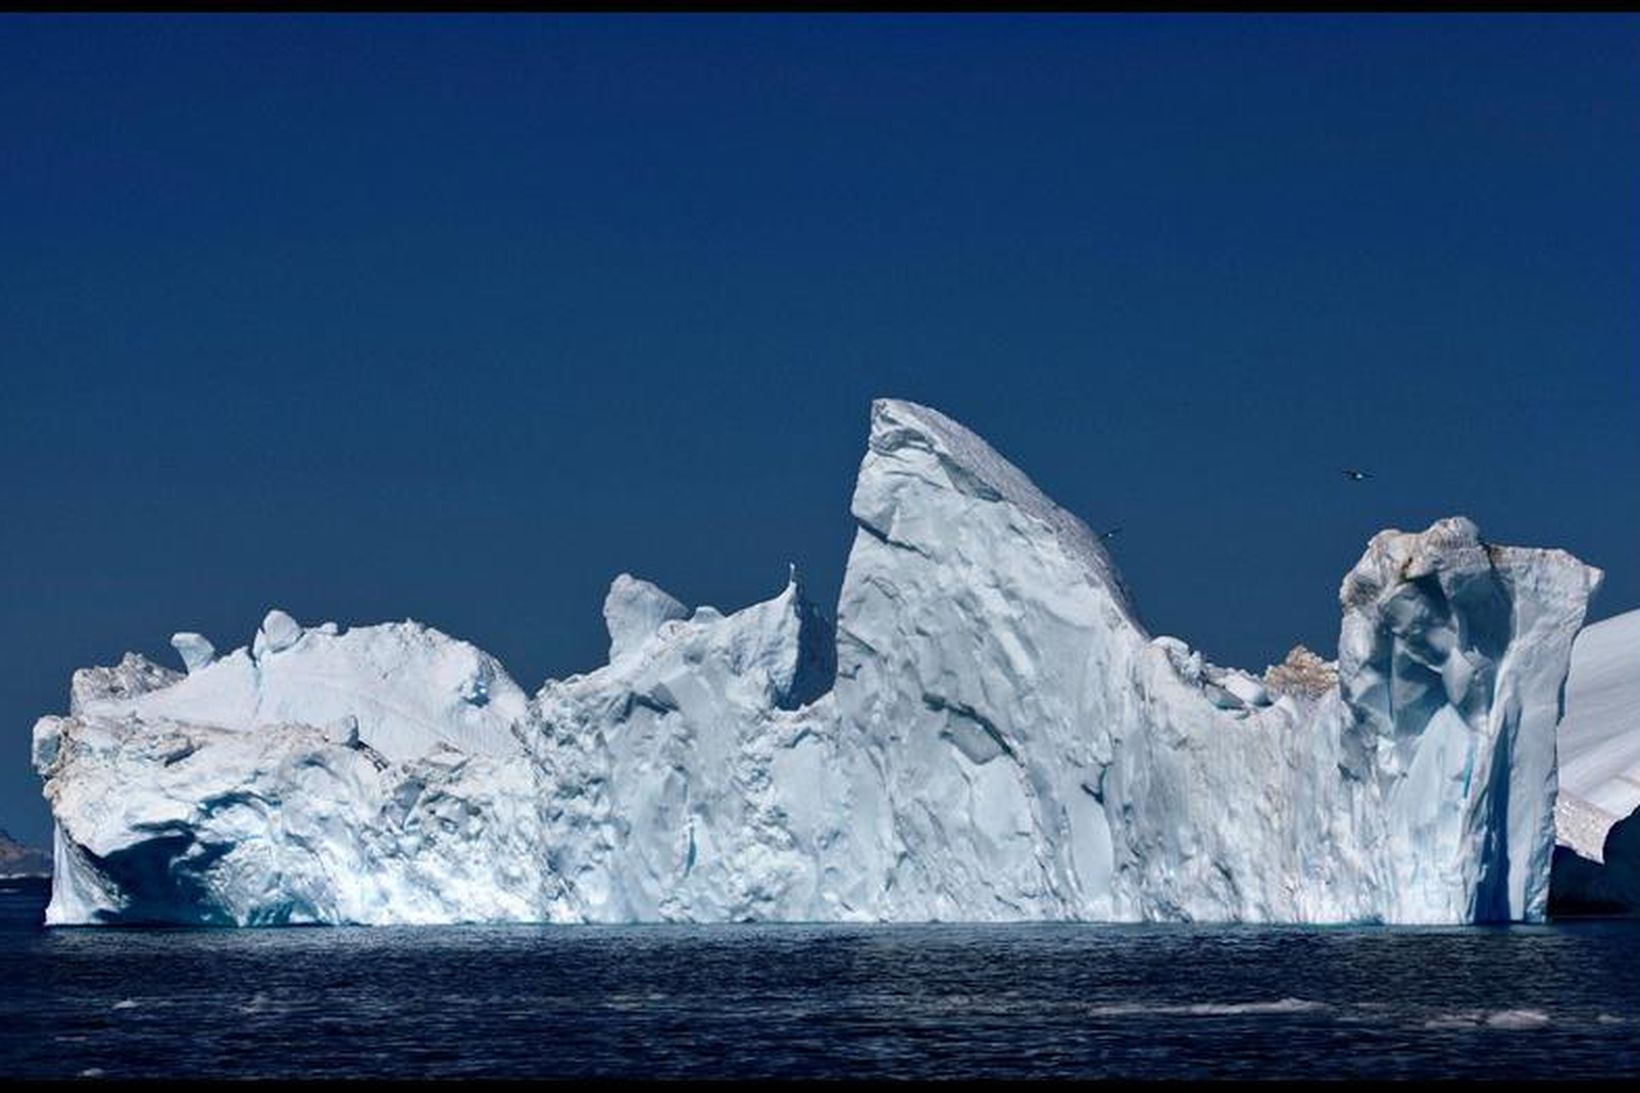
(1600, 735)
(1039, 755)
(318, 776)
(990, 734)
(1597, 865)
(667, 780)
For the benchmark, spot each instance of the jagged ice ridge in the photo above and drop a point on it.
(989, 734)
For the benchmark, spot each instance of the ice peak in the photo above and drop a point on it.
(633, 610)
(909, 441)
(195, 649)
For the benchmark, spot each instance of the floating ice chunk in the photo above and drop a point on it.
(1209, 1009)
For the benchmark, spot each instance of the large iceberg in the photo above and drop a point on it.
(989, 733)
(1597, 865)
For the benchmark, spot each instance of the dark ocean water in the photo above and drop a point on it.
(904, 1001)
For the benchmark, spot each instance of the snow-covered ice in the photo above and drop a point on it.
(990, 733)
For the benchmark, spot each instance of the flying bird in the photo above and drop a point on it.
(1356, 476)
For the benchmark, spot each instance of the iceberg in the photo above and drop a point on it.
(987, 732)
(1597, 812)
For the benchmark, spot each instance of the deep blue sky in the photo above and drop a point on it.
(456, 318)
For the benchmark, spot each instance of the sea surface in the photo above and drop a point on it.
(938, 1001)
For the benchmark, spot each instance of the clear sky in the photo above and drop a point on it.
(455, 318)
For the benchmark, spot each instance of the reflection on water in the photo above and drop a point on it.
(792, 1000)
